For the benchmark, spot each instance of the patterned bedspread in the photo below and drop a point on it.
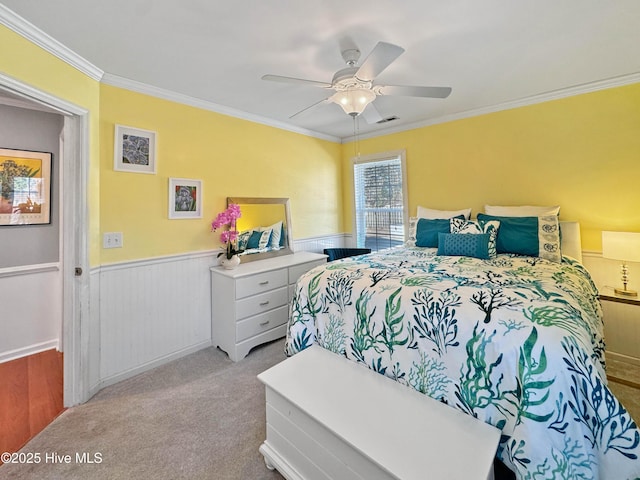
(514, 341)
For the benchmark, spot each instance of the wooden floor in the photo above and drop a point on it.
(30, 397)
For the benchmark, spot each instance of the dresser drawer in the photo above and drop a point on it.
(252, 326)
(261, 303)
(297, 270)
(261, 282)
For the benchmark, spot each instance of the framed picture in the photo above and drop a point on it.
(25, 187)
(185, 198)
(135, 150)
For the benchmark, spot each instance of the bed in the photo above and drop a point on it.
(513, 339)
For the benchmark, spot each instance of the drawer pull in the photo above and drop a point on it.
(264, 304)
(266, 282)
(264, 324)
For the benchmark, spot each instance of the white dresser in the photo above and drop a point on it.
(250, 304)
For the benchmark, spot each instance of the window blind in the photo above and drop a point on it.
(379, 203)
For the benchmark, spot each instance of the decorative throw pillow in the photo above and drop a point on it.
(411, 236)
(259, 239)
(531, 236)
(464, 244)
(481, 226)
(264, 238)
(276, 233)
(427, 231)
(243, 239)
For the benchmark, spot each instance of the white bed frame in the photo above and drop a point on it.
(331, 418)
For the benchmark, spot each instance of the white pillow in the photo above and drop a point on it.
(432, 214)
(521, 211)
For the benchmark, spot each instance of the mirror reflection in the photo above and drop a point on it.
(264, 229)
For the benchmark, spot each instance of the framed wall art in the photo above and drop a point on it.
(25, 187)
(135, 150)
(185, 198)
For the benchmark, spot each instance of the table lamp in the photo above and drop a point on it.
(623, 246)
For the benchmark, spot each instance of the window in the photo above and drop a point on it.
(380, 200)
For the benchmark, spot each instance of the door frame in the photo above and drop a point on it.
(74, 154)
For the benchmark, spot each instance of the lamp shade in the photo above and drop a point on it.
(353, 100)
(623, 246)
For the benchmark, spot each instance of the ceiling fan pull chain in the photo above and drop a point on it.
(356, 134)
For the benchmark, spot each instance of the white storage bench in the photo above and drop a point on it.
(330, 418)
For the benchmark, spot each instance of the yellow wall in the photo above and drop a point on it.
(233, 158)
(28, 63)
(262, 215)
(581, 152)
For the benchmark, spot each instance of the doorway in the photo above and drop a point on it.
(73, 260)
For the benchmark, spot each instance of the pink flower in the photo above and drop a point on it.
(229, 236)
(234, 211)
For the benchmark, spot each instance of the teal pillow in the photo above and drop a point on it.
(256, 239)
(253, 240)
(427, 230)
(531, 236)
(480, 227)
(464, 244)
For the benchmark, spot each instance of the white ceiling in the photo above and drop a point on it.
(490, 52)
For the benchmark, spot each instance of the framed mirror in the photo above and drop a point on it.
(264, 229)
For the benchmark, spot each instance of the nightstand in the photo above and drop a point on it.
(621, 326)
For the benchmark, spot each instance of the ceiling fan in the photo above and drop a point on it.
(354, 85)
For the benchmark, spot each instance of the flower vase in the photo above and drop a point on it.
(229, 263)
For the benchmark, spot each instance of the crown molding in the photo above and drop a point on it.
(16, 23)
(523, 102)
(121, 82)
(32, 33)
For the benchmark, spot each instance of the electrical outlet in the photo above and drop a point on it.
(112, 240)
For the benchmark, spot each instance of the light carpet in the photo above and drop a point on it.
(199, 417)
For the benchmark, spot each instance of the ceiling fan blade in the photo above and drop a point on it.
(281, 79)
(409, 91)
(382, 55)
(371, 114)
(324, 100)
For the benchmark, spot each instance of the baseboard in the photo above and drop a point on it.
(622, 358)
(105, 382)
(29, 350)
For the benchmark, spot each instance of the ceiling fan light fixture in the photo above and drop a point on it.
(353, 100)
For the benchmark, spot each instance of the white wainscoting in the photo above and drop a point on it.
(153, 311)
(93, 375)
(317, 244)
(30, 310)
